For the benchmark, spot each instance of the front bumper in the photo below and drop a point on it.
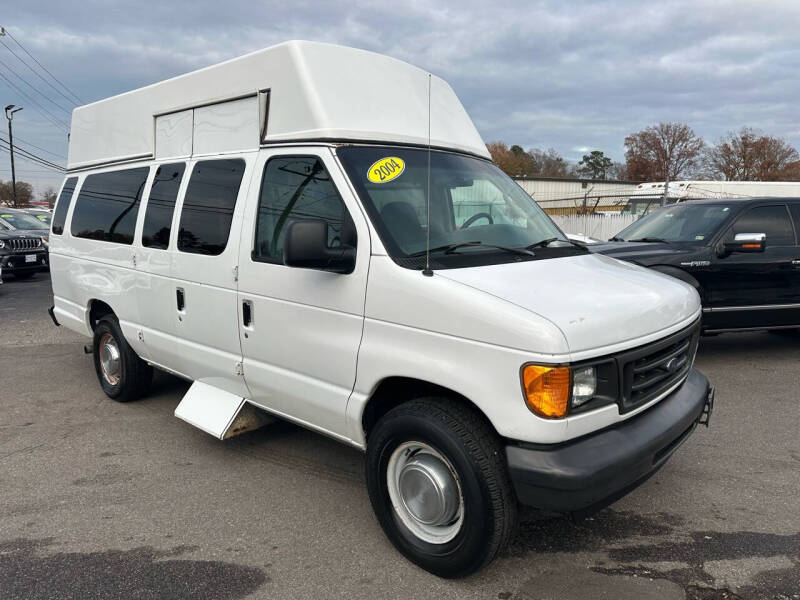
(16, 263)
(598, 469)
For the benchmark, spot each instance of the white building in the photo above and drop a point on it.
(568, 195)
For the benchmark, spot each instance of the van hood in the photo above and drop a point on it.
(596, 301)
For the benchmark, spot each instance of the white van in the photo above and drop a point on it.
(280, 230)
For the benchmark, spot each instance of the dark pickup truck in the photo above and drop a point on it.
(742, 256)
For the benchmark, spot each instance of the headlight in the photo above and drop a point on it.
(554, 392)
(2, 244)
(584, 385)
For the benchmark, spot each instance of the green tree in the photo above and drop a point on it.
(594, 165)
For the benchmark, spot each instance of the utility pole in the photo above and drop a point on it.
(10, 110)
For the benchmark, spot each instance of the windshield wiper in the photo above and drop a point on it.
(541, 243)
(652, 240)
(616, 238)
(545, 243)
(451, 248)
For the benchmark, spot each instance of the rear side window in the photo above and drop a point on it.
(208, 206)
(62, 206)
(108, 205)
(795, 209)
(294, 188)
(772, 220)
(161, 205)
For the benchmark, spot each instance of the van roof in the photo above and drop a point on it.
(295, 91)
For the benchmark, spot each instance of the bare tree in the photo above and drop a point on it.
(49, 196)
(549, 163)
(24, 193)
(749, 155)
(666, 149)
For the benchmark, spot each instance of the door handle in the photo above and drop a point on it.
(247, 313)
(180, 299)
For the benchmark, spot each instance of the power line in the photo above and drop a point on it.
(35, 72)
(31, 154)
(61, 83)
(37, 90)
(32, 157)
(27, 143)
(22, 157)
(52, 118)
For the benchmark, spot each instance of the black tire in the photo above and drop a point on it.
(463, 436)
(134, 375)
(24, 275)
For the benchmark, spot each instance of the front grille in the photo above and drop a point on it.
(651, 370)
(22, 244)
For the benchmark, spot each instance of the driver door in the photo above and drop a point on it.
(756, 289)
(301, 328)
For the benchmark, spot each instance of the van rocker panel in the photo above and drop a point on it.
(601, 467)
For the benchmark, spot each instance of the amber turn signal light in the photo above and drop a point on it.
(546, 390)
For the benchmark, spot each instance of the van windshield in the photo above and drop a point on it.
(478, 215)
(685, 222)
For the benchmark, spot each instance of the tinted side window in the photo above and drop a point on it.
(161, 205)
(772, 220)
(108, 205)
(795, 210)
(297, 187)
(62, 206)
(208, 206)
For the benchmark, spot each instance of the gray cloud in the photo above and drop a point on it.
(568, 75)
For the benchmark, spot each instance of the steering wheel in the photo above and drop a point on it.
(475, 217)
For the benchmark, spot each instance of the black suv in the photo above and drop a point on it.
(21, 254)
(742, 256)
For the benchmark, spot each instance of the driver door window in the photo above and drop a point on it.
(771, 220)
(296, 188)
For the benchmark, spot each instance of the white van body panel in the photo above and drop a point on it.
(385, 100)
(628, 302)
(207, 329)
(471, 330)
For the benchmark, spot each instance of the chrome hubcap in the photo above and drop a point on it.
(110, 363)
(425, 492)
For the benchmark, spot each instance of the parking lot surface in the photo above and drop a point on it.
(100, 499)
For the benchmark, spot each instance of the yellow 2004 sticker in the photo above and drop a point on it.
(386, 169)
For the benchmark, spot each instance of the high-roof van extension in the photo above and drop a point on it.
(303, 233)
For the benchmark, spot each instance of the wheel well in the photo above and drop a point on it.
(97, 310)
(394, 391)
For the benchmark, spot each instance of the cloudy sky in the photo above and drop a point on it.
(569, 75)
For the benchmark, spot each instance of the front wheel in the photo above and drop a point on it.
(438, 483)
(122, 374)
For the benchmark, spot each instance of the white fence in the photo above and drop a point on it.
(600, 226)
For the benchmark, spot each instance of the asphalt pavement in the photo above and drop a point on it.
(107, 500)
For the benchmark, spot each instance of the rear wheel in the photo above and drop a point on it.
(438, 483)
(122, 374)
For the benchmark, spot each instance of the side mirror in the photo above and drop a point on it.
(306, 246)
(747, 242)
